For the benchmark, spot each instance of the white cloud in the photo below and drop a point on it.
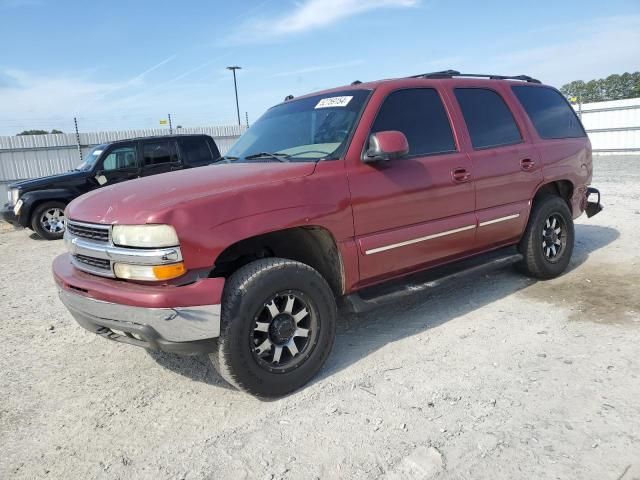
(318, 68)
(595, 50)
(310, 15)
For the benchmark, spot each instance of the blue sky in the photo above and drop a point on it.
(126, 64)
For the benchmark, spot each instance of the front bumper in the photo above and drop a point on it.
(177, 319)
(8, 215)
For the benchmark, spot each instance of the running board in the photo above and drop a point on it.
(393, 290)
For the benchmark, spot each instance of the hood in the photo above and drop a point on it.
(137, 201)
(51, 181)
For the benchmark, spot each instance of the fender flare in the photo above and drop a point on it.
(32, 199)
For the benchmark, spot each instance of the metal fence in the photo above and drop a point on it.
(613, 127)
(32, 156)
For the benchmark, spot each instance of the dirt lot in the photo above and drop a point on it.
(498, 376)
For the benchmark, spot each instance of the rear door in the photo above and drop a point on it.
(507, 169)
(160, 156)
(419, 209)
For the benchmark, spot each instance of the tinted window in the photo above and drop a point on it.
(420, 115)
(195, 150)
(120, 158)
(489, 120)
(549, 112)
(159, 152)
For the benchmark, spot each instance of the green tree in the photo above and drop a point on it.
(38, 132)
(614, 87)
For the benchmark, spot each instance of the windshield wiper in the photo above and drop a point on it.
(281, 157)
(225, 159)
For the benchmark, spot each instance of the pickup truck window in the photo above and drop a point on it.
(121, 158)
(489, 120)
(307, 129)
(549, 112)
(195, 151)
(159, 152)
(420, 115)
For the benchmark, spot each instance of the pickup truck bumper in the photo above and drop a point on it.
(177, 319)
(8, 215)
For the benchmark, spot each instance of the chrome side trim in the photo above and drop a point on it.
(500, 219)
(179, 324)
(420, 239)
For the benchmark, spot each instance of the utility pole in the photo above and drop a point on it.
(235, 86)
(75, 122)
(170, 126)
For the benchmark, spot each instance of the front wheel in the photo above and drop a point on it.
(547, 243)
(48, 220)
(277, 327)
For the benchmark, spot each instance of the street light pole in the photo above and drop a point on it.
(235, 86)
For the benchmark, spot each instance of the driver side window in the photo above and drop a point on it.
(120, 158)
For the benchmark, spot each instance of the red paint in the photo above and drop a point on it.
(363, 205)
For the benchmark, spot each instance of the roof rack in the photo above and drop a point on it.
(455, 73)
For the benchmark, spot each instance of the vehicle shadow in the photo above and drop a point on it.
(359, 335)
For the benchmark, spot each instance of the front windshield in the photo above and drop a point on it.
(90, 160)
(308, 129)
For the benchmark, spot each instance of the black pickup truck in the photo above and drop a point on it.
(39, 203)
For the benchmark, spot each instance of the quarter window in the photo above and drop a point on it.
(159, 152)
(195, 150)
(121, 158)
(489, 120)
(420, 115)
(549, 112)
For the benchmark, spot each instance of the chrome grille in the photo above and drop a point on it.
(94, 262)
(96, 232)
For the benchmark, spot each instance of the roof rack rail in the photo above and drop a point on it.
(455, 73)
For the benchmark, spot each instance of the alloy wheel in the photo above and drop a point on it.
(52, 220)
(554, 237)
(284, 332)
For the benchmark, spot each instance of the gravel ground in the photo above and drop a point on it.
(499, 377)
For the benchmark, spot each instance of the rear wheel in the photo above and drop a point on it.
(277, 328)
(547, 243)
(48, 220)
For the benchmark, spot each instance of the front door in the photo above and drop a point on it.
(119, 164)
(416, 210)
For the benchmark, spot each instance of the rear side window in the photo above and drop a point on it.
(420, 115)
(159, 152)
(549, 112)
(195, 150)
(489, 120)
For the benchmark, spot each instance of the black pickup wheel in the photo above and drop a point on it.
(547, 243)
(277, 328)
(48, 220)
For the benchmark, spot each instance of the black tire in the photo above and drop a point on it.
(247, 295)
(48, 231)
(547, 255)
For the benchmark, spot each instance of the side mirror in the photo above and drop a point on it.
(384, 146)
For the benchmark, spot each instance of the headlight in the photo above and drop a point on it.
(145, 236)
(148, 272)
(14, 195)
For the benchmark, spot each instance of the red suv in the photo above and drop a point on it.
(354, 194)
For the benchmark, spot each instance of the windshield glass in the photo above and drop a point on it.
(308, 129)
(91, 159)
